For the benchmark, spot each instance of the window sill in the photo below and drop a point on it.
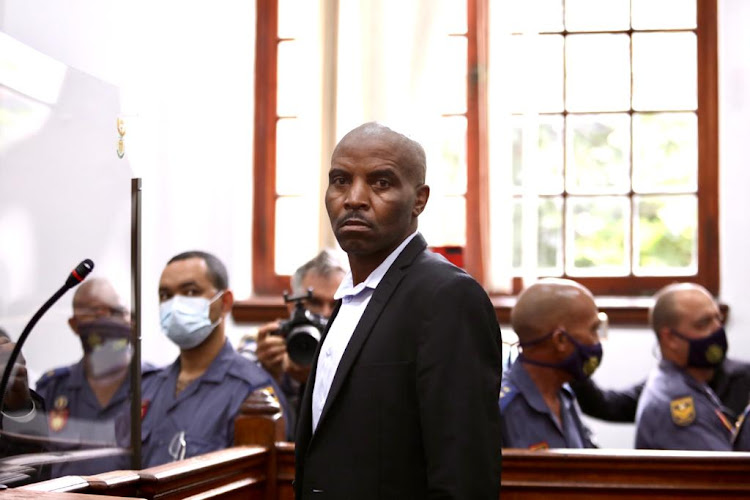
(622, 311)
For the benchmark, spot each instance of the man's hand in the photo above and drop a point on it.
(271, 350)
(297, 372)
(17, 396)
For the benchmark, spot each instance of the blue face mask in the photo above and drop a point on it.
(708, 352)
(581, 363)
(185, 320)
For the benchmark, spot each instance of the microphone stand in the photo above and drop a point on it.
(78, 275)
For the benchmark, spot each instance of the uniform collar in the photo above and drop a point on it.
(77, 377)
(672, 368)
(528, 388)
(215, 372)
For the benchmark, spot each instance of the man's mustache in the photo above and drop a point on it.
(353, 217)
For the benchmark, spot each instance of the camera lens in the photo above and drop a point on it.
(301, 344)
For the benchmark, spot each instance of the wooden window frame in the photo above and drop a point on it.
(267, 284)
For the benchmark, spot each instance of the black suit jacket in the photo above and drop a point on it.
(413, 408)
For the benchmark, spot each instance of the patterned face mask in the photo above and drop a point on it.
(708, 352)
(581, 363)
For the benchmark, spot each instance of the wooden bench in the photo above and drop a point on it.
(263, 468)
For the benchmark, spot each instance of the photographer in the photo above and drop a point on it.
(322, 275)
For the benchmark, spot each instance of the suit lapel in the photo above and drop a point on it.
(379, 299)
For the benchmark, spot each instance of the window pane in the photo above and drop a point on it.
(549, 243)
(550, 236)
(549, 154)
(598, 73)
(598, 153)
(288, 91)
(597, 15)
(597, 236)
(450, 95)
(296, 172)
(665, 234)
(664, 71)
(539, 16)
(663, 14)
(665, 152)
(443, 221)
(537, 81)
(296, 232)
(446, 163)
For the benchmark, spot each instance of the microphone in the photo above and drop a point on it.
(76, 276)
(79, 273)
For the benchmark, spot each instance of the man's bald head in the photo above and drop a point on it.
(549, 304)
(96, 298)
(668, 308)
(411, 155)
(98, 290)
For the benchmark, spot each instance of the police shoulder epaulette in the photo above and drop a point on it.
(508, 391)
(244, 369)
(148, 369)
(52, 375)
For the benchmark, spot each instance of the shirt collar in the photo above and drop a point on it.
(77, 375)
(347, 288)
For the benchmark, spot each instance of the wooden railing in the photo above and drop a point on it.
(263, 468)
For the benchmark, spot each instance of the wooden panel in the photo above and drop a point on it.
(631, 311)
(627, 474)
(121, 483)
(21, 494)
(238, 472)
(285, 474)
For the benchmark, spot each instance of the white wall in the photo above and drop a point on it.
(186, 73)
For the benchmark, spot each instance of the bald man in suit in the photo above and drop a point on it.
(401, 402)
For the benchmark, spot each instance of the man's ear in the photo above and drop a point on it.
(420, 201)
(73, 324)
(666, 337)
(227, 300)
(559, 340)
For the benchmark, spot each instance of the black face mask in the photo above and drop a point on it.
(106, 343)
(708, 352)
(581, 363)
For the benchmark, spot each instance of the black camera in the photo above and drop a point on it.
(302, 330)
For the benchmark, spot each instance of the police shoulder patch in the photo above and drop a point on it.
(682, 410)
(508, 391)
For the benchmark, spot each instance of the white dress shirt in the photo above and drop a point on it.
(353, 305)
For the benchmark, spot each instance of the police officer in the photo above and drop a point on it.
(322, 275)
(84, 399)
(189, 407)
(677, 409)
(557, 326)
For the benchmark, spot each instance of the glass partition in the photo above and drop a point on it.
(65, 196)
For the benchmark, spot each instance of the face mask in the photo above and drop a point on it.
(106, 344)
(707, 352)
(581, 363)
(185, 320)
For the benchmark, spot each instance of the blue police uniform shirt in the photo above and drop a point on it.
(677, 412)
(742, 437)
(527, 421)
(77, 421)
(203, 413)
